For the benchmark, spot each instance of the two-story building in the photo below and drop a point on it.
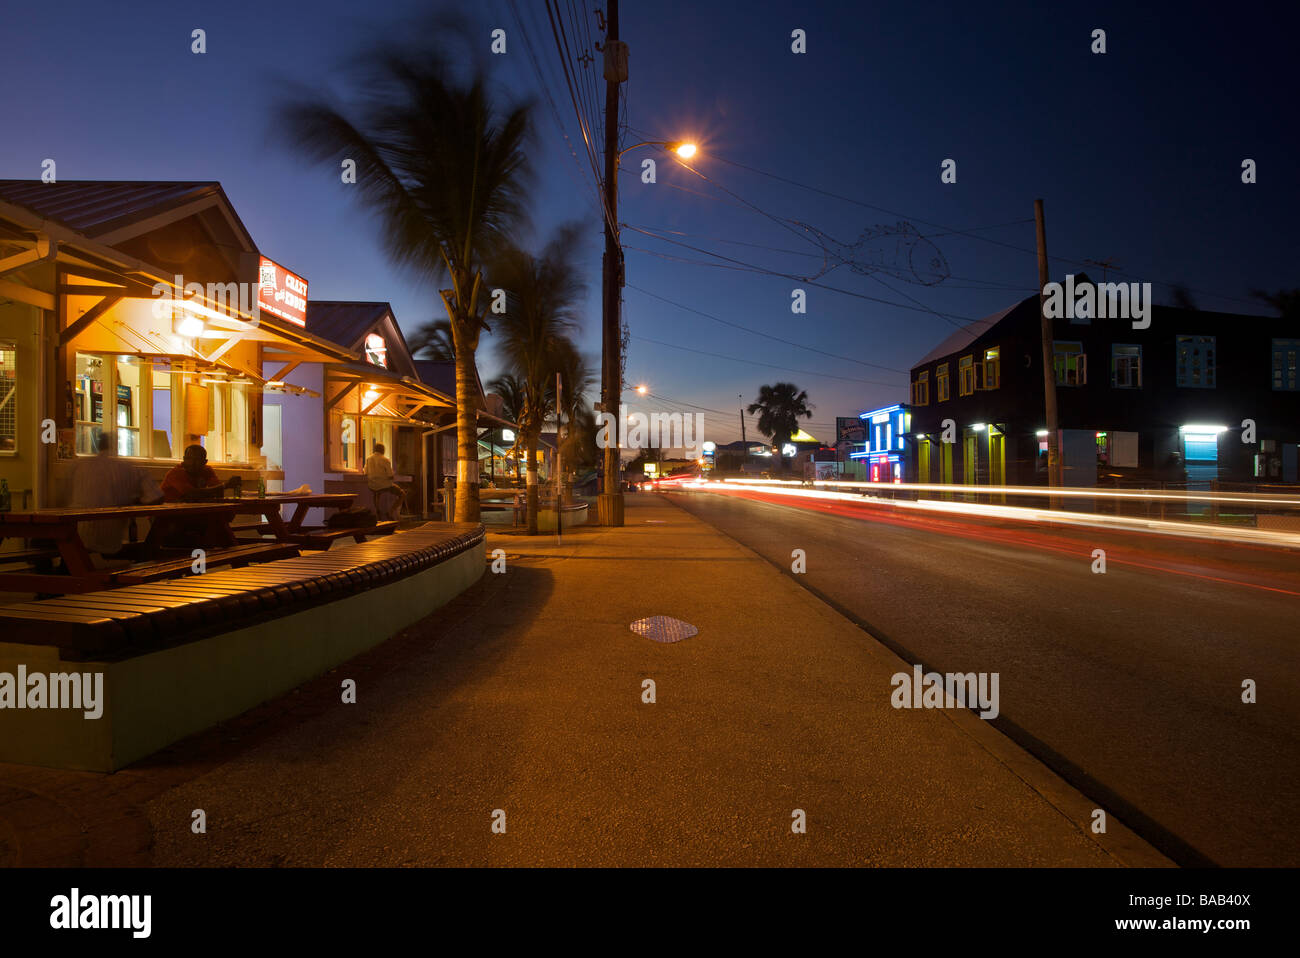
(1193, 396)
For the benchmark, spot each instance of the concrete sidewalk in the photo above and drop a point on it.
(525, 695)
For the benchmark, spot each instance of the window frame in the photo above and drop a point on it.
(921, 389)
(1208, 349)
(1062, 369)
(1278, 349)
(942, 383)
(10, 347)
(1114, 365)
(993, 367)
(966, 375)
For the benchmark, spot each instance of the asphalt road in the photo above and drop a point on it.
(1128, 683)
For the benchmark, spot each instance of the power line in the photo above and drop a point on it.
(787, 342)
(751, 362)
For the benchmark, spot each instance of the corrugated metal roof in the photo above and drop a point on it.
(95, 207)
(440, 375)
(343, 323)
(967, 335)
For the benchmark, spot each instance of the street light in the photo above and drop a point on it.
(610, 502)
(642, 390)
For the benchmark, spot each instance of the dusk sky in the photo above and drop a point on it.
(1136, 153)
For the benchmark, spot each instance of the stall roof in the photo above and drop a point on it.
(344, 323)
(98, 208)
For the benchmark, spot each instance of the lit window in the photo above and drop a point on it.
(966, 375)
(8, 396)
(992, 368)
(1286, 355)
(941, 382)
(1195, 361)
(921, 389)
(1071, 364)
(1126, 366)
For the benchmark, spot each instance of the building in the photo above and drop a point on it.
(146, 311)
(1172, 402)
(885, 453)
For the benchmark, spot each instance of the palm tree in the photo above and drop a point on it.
(445, 173)
(578, 447)
(433, 340)
(779, 407)
(511, 391)
(542, 299)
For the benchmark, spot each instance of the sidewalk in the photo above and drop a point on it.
(525, 695)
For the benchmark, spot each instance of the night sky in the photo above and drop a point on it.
(1136, 153)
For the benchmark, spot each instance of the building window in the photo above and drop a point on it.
(8, 396)
(1196, 362)
(941, 382)
(921, 389)
(1286, 357)
(344, 438)
(992, 368)
(376, 431)
(966, 375)
(1071, 364)
(1125, 366)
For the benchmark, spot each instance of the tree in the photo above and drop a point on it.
(1285, 301)
(779, 408)
(578, 447)
(511, 391)
(445, 172)
(543, 294)
(433, 340)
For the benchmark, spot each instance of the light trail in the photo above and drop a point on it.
(1286, 540)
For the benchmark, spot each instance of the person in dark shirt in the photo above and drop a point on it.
(194, 479)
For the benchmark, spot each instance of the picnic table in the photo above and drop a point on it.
(60, 525)
(268, 507)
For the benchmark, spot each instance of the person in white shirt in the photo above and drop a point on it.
(379, 477)
(105, 480)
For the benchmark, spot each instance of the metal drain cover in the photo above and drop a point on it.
(664, 628)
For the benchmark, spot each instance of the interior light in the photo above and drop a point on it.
(978, 427)
(1041, 433)
(1203, 430)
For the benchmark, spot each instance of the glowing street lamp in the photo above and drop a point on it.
(642, 390)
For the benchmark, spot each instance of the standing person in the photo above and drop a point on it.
(379, 477)
(105, 480)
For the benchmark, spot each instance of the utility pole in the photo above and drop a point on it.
(559, 455)
(743, 441)
(1049, 360)
(610, 503)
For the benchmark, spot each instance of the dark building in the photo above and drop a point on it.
(1163, 403)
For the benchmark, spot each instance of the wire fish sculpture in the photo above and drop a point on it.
(899, 250)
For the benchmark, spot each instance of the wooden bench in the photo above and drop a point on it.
(322, 537)
(236, 556)
(121, 621)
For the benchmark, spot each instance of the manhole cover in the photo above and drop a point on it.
(664, 628)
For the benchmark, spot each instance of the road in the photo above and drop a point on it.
(1128, 683)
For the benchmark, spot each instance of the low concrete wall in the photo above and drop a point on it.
(571, 516)
(155, 699)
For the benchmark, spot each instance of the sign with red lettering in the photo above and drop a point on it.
(282, 293)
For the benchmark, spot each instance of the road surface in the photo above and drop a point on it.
(1128, 683)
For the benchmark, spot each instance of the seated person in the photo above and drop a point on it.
(194, 480)
(379, 477)
(105, 480)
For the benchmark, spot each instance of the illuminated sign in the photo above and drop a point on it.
(507, 435)
(281, 293)
(650, 469)
(710, 448)
(789, 450)
(377, 350)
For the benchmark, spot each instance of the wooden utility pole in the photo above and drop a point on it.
(610, 503)
(743, 442)
(1049, 358)
(559, 456)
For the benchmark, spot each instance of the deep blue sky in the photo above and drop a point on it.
(1136, 153)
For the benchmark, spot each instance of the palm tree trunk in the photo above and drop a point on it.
(532, 494)
(467, 502)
